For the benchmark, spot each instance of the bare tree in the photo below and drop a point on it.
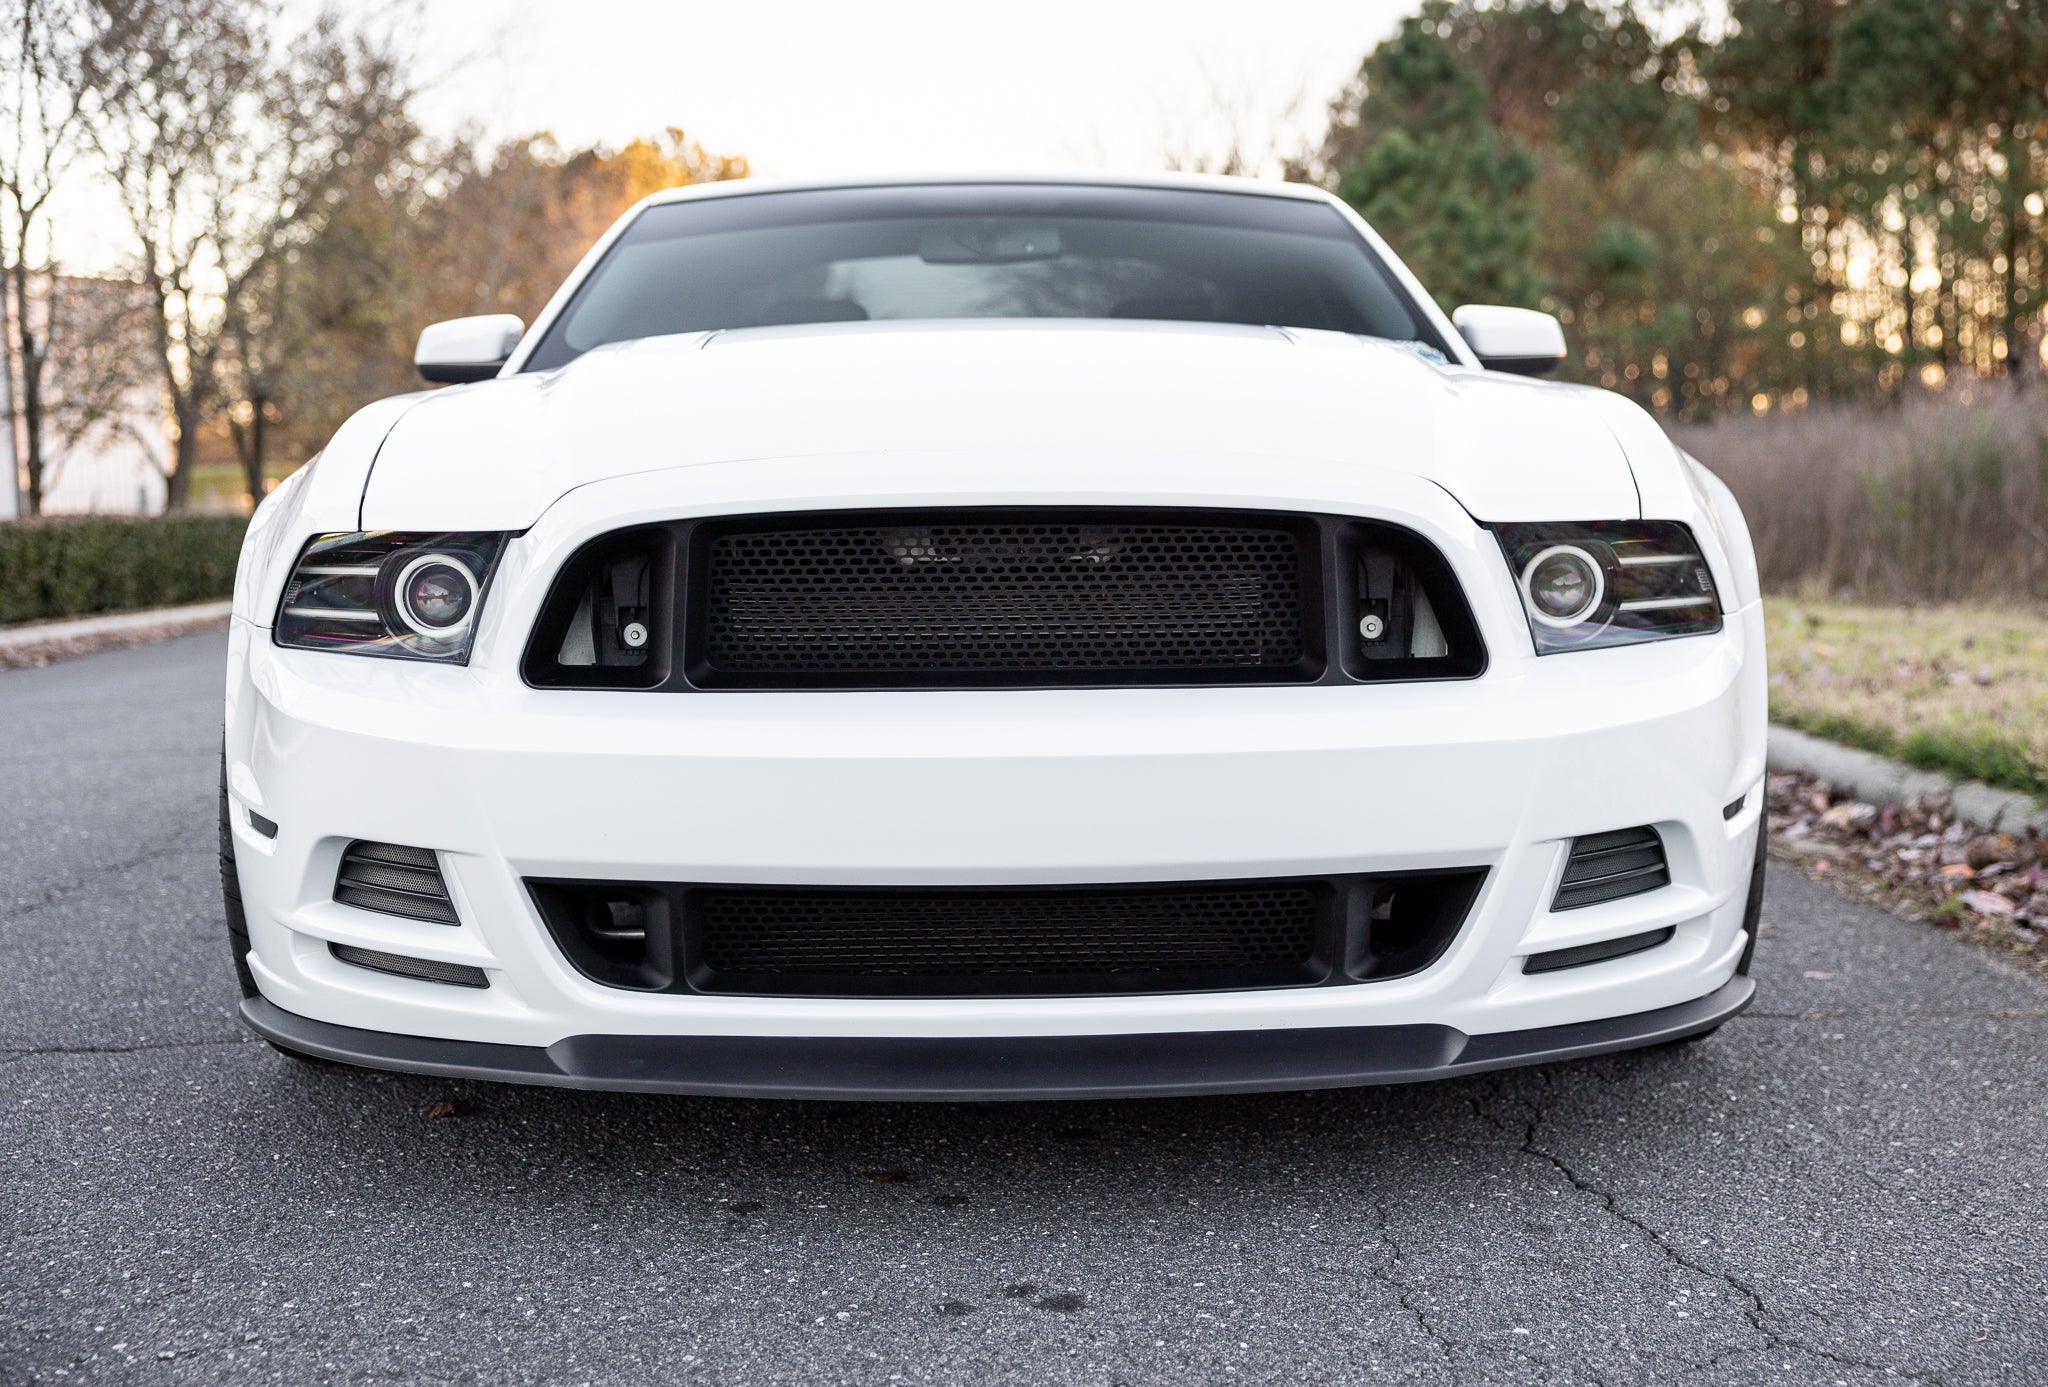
(1237, 132)
(228, 148)
(42, 57)
(338, 99)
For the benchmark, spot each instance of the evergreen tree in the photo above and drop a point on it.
(1432, 173)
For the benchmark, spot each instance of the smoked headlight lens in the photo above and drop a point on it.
(1589, 585)
(409, 596)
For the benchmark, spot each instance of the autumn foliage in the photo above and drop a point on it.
(470, 230)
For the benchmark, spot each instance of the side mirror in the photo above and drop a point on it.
(1519, 340)
(466, 349)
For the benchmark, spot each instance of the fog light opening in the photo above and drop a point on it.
(616, 933)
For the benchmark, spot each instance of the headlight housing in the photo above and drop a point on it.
(381, 592)
(1610, 583)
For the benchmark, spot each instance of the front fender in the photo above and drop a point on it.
(323, 497)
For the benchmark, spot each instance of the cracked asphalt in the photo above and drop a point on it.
(1846, 1185)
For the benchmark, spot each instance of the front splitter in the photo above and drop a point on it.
(970, 1069)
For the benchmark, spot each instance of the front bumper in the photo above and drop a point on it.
(1044, 787)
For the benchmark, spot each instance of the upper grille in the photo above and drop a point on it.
(1062, 600)
(1609, 866)
(394, 880)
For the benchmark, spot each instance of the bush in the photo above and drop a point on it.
(1936, 500)
(77, 566)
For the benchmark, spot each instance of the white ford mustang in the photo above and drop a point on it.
(988, 638)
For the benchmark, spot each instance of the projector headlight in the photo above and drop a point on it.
(1562, 586)
(1588, 585)
(408, 596)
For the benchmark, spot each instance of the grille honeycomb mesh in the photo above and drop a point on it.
(938, 933)
(954, 598)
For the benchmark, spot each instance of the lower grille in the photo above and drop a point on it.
(394, 880)
(939, 934)
(1006, 941)
(1608, 866)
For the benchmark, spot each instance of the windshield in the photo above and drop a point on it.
(1024, 251)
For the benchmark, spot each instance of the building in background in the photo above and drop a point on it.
(106, 431)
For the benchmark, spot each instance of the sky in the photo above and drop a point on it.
(827, 89)
(804, 88)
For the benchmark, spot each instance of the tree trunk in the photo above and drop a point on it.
(10, 492)
(1945, 308)
(32, 419)
(2018, 340)
(31, 391)
(178, 485)
(253, 453)
(1906, 337)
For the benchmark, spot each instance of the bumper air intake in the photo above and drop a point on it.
(1609, 866)
(394, 880)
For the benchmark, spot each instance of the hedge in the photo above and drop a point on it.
(74, 566)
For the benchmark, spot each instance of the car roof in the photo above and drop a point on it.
(1189, 182)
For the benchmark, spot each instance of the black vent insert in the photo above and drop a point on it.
(400, 965)
(1006, 941)
(394, 880)
(1579, 955)
(953, 599)
(1608, 866)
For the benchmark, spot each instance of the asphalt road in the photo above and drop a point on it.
(1848, 1184)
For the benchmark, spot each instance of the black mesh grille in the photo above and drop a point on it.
(925, 934)
(1009, 941)
(950, 598)
(394, 880)
(1609, 866)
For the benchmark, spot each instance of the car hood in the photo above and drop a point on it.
(495, 455)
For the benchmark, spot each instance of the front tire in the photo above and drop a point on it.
(1753, 908)
(231, 893)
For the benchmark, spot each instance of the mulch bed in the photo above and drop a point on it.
(1918, 860)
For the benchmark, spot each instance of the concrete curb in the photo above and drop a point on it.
(45, 641)
(1878, 779)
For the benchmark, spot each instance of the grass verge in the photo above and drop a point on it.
(1962, 690)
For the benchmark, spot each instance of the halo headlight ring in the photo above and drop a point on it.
(1596, 592)
(401, 605)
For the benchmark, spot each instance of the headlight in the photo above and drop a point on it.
(1586, 585)
(412, 596)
